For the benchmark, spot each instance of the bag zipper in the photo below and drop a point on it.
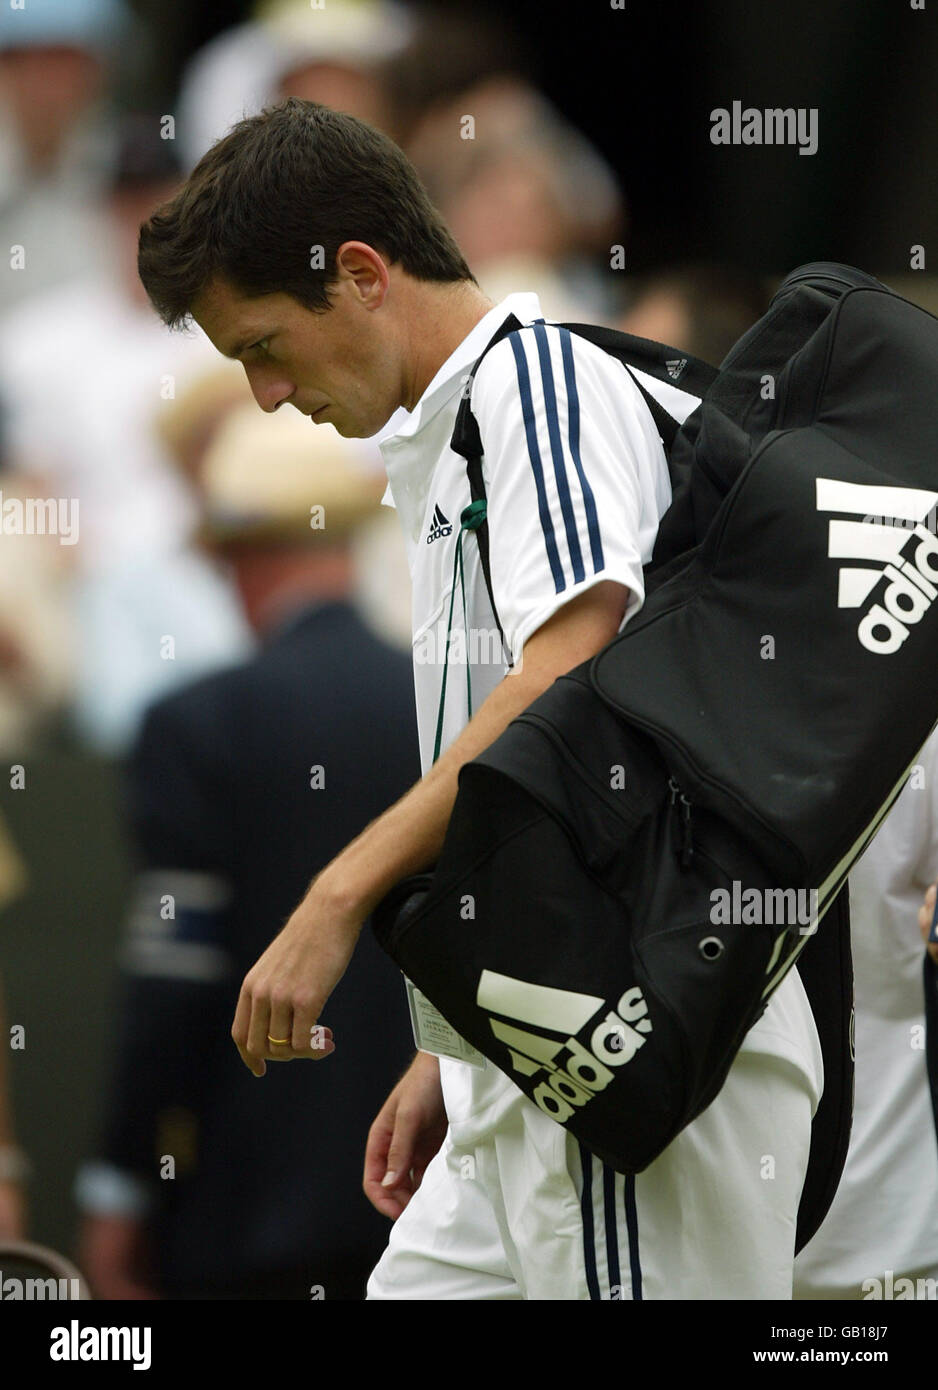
(687, 831)
(623, 810)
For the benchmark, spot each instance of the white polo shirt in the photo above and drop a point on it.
(576, 480)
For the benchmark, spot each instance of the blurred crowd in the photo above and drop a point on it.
(172, 610)
(94, 397)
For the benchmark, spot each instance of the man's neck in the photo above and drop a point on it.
(440, 317)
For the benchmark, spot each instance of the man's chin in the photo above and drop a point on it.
(350, 429)
(346, 431)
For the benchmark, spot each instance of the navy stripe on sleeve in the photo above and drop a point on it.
(573, 430)
(556, 451)
(530, 430)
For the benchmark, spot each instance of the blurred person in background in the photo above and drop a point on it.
(87, 373)
(14, 1165)
(380, 559)
(449, 51)
(884, 1216)
(703, 308)
(334, 54)
(36, 648)
(928, 923)
(239, 787)
(337, 55)
(529, 199)
(56, 138)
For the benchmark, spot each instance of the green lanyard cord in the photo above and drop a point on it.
(470, 518)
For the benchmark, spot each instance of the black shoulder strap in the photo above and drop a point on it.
(826, 969)
(656, 359)
(931, 1030)
(467, 441)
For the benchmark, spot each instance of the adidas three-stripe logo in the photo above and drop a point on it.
(575, 1069)
(439, 526)
(904, 557)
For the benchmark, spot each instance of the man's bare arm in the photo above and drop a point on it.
(284, 993)
(409, 835)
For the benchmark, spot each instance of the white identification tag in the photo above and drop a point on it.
(433, 1034)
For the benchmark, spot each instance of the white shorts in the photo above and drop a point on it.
(528, 1214)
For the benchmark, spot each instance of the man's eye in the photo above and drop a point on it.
(262, 344)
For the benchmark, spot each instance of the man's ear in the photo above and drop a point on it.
(367, 269)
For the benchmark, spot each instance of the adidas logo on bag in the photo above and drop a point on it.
(439, 526)
(905, 556)
(574, 1071)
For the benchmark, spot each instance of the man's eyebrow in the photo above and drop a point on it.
(246, 342)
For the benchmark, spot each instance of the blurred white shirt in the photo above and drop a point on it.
(84, 373)
(885, 1213)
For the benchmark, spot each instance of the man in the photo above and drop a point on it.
(347, 298)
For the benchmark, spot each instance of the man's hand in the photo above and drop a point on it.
(285, 991)
(407, 1133)
(925, 915)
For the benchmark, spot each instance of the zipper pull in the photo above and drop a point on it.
(687, 839)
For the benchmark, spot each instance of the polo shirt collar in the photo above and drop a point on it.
(448, 380)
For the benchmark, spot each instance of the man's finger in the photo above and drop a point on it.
(401, 1152)
(277, 1041)
(258, 1028)
(240, 1030)
(242, 1018)
(318, 1043)
(390, 1200)
(383, 1199)
(307, 1033)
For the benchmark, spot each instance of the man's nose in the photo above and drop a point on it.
(270, 390)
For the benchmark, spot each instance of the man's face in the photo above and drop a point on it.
(339, 366)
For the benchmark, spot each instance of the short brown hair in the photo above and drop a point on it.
(298, 176)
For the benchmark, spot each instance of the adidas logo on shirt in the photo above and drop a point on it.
(574, 1069)
(439, 526)
(901, 558)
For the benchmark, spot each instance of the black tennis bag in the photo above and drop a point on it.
(633, 866)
